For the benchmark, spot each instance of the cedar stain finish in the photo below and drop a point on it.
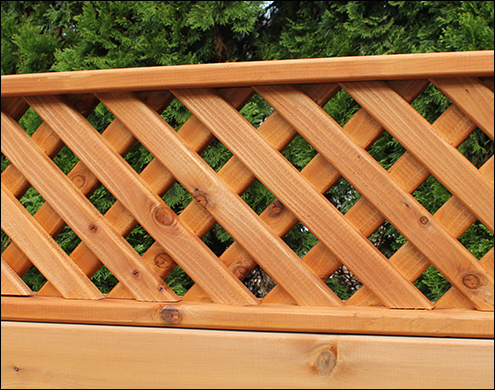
(300, 334)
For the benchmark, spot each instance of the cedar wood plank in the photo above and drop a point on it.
(311, 207)
(148, 209)
(199, 179)
(81, 215)
(42, 249)
(375, 184)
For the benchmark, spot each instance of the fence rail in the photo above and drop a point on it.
(383, 86)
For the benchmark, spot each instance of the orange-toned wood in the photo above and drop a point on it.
(304, 71)
(414, 132)
(224, 204)
(149, 210)
(283, 180)
(43, 251)
(376, 185)
(81, 215)
(472, 97)
(12, 284)
(263, 317)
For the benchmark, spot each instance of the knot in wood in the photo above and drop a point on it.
(163, 216)
(162, 260)
(79, 179)
(276, 207)
(325, 362)
(202, 200)
(241, 272)
(471, 281)
(170, 315)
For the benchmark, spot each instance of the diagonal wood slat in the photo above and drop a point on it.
(81, 215)
(224, 204)
(12, 284)
(151, 212)
(414, 132)
(373, 182)
(319, 173)
(313, 209)
(43, 251)
(472, 97)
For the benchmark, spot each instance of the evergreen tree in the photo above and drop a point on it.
(46, 36)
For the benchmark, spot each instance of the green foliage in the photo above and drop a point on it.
(48, 36)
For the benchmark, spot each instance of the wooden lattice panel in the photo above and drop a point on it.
(300, 291)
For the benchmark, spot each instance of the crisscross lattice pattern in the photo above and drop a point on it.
(341, 152)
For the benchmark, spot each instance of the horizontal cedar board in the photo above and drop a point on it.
(264, 317)
(78, 356)
(317, 70)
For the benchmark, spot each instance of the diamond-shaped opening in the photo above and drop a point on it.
(259, 282)
(176, 114)
(258, 197)
(218, 240)
(140, 240)
(432, 284)
(4, 240)
(343, 195)
(34, 279)
(386, 150)
(102, 199)
(477, 239)
(177, 198)
(477, 148)
(431, 103)
(32, 200)
(65, 160)
(4, 162)
(387, 239)
(100, 117)
(179, 281)
(104, 280)
(30, 121)
(138, 157)
(256, 110)
(299, 152)
(300, 239)
(343, 283)
(216, 155)
(432, 194)
(341, 107)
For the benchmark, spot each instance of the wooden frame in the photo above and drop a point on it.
(388, 304)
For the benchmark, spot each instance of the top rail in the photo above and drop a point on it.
(307, 71)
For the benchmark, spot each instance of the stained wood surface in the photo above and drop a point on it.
(322, 70)
(75, 356)
(264, 317)
(12, 284)
(80, 214)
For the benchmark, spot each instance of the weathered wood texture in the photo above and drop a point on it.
(78, 356)
(388, 303)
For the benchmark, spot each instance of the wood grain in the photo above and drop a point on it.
(414, 132)
(149, 210)
(12, 284)
(263, 317)
(75, 356)
(472, 97)
(226, 206)
(302, 71)
(81, 215)
(43, 251)
(375, 184)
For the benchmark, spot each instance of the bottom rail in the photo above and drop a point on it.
(264, 317)
(46, 355)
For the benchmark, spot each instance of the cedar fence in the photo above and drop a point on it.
(142, 334)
